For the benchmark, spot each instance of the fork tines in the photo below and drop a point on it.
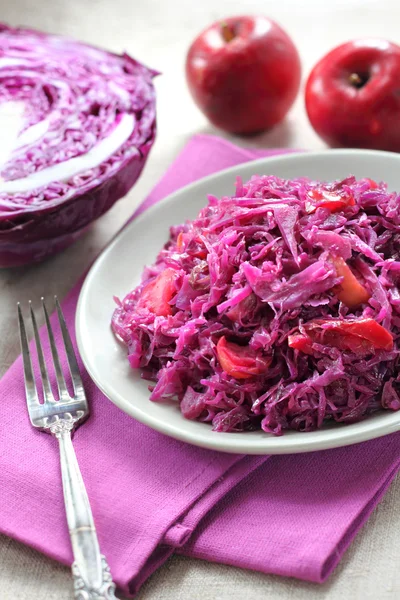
(30, 386)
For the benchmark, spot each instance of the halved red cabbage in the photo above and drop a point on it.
(258, 270)
(77, 124)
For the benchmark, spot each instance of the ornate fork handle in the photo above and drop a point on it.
(92, 578)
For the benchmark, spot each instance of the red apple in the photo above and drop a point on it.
(353, 95)
(243, 73)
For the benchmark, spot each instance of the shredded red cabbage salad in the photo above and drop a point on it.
(277, 308)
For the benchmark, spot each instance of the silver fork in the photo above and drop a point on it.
(91, 573)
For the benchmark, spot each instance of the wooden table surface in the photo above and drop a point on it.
(159, 32)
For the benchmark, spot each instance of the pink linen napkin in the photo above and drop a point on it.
(152, 496)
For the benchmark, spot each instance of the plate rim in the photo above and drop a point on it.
(231, 442)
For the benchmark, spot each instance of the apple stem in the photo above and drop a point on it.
(227, 32)
(357, 81)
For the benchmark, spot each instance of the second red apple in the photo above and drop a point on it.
(353, 95)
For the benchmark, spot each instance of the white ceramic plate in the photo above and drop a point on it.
(118, 270)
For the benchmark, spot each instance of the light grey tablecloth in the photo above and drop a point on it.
(158, 32)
